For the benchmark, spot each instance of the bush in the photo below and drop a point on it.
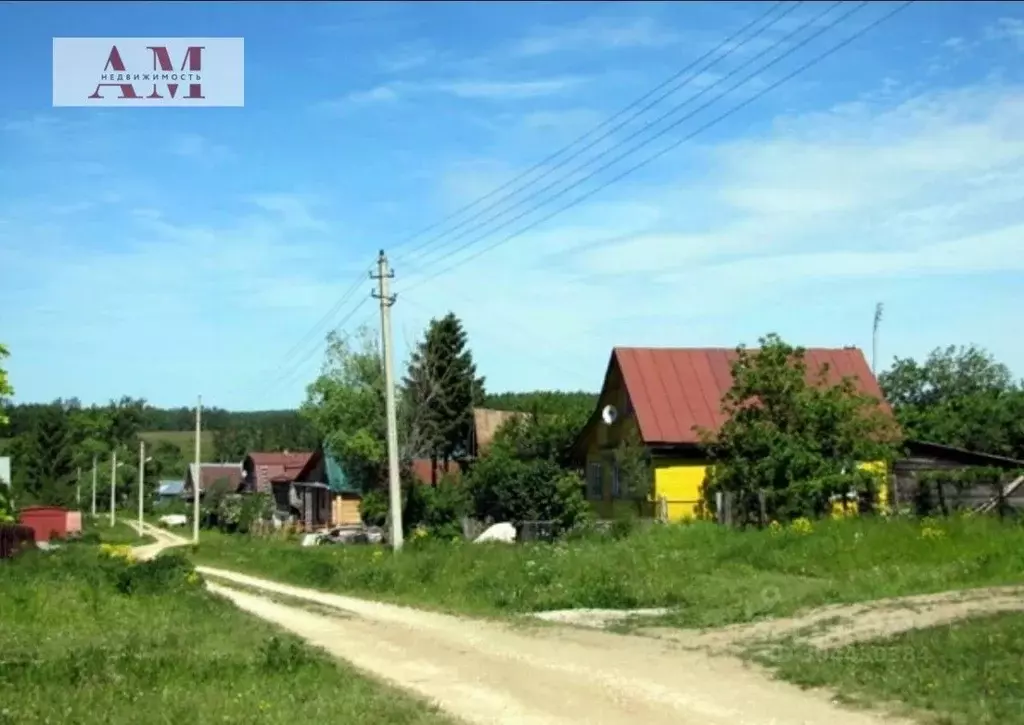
(167, 573)
(502, 487)
(374, 508)
(437, 510)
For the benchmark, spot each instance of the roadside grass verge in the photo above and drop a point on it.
(93, 639)
(710, 575)
(100, 531)
(967, 673)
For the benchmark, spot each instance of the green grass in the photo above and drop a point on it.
(711, 575)
(964, 674)
(91, 640)
(185, 440)
(119, 533)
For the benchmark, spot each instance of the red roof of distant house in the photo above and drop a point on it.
(676, 391)
(421, 469)
(276, 467)
(210, 473)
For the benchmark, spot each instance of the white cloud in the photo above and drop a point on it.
(597, 34)
(378, 94)
(861, 194)
(1011, 29)
(507, 90)
(199, 148)
(406, 57)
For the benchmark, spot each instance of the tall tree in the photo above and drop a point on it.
(959, 396)
(6, 390)
(798, 441)
(45, 470)
(345, 404)
(442, 387)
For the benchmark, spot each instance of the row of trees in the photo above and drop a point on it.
(527, 473)
(798, 442)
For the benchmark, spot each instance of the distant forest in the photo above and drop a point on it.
(218, 419)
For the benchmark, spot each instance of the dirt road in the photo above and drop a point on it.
(490, 673)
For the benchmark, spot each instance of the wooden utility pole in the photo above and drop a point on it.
(94, 486)
(142, 479)
(197, 474)
(113, 485)
(382, 293)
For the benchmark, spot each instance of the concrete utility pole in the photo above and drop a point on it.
(197, 475)
(78, 488)
(383, 277)
(142, 479)
(94, 486)
(113, 484)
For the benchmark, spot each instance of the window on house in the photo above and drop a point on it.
(594, 480)
(616, 480)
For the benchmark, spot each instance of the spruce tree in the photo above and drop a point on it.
(441, 389)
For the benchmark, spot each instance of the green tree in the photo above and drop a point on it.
(345, 404)
(6, 389)
(959, 396)
(636, 476)
(549, 436)
(440, 390)
(798, 441)
(504, 487)
(168, 460)
(44, 456)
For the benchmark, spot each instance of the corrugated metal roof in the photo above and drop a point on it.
(212, 472)
(675, 391)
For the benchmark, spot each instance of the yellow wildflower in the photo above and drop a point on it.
(801, 525)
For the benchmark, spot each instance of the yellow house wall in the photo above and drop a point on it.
(679, 483)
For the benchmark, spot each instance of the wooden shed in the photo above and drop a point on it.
(46, 522)
(923, 457)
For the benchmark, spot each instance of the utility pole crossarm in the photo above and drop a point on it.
(384, 276)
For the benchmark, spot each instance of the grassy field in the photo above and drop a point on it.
(91, 639)
(183, 439)
(964, 674)
(710, 574)
(118, 534)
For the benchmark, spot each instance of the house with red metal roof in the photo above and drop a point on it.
(230, 474)
(667, 395)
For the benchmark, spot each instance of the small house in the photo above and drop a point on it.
(666, 396)
(275, 474)
(327, 496)
(211, 473)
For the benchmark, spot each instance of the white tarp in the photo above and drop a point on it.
(5, 470)
(503, 532)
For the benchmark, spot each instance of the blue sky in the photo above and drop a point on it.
(164, 253)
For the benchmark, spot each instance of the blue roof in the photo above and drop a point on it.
(171, 488)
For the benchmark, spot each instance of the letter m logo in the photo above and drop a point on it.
(162, 63)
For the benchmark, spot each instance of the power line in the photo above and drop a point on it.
(540, 164)
(276, 374)
(814, 61)
(573, 184)
(289, 375)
